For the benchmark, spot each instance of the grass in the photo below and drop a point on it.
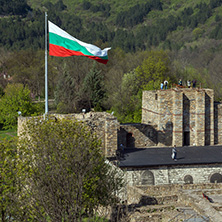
(8, 134)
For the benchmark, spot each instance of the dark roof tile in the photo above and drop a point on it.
(161, 156)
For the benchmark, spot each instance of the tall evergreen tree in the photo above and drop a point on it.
(93, 86)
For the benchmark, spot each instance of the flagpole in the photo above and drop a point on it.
(46, 68)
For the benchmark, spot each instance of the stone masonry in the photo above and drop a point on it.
(137, 135)
(174, 116)
(187, 174)
(217, 123)
(182, 116)
(103, 124)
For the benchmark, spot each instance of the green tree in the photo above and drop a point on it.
(127, 98)
(14, 7)
(9, 182)
(127, 105)
(69, 95)
(153, 70)
(66, 93)
(197, 32)
(67, 177)
(28, 68)
(93, 87)
(16, 98)
(1, 92)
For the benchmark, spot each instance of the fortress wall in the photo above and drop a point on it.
(168, 117)
(182, 116)
(171, 189)
(143, 135)
(103, 124)
(200, 119)
(209, 117)
(165, 125)
(111, 136)
(189, 114)
(150, 106)
(136, 193)
(218, 123)
(172, 175)
(177, 118)
(157, 107)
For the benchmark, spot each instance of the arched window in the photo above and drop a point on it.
(147, 178)
(216, 178)
(188, 179)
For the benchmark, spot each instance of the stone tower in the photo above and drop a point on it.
(181, 116)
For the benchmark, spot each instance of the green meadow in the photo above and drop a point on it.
(8, 134)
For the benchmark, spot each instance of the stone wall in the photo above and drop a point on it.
(111, 137)
(209, 117)
(218, 123)
(175, 202)
(171, 189)
(103, 124)
(180, 116)
(135, 193)
(173, 116)
(150, 108)
(177, 118)
(187, 174)
(137, 135)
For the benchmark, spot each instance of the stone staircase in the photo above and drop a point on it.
(158, 205)
(159, 208)
(171, 203)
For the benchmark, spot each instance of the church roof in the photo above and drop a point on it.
(161, 156)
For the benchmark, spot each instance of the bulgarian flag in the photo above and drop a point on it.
(63, 44)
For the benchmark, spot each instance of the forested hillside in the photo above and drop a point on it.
(151, 40)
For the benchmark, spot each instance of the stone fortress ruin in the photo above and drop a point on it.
(178, 116)
(182, 117)
(187, 118)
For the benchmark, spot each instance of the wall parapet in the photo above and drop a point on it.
(103, 124)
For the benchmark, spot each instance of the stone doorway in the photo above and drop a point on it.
(186, 138)
(130, 141)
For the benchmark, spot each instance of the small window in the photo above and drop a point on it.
(216, 178)
(188, 179)
(147, 178)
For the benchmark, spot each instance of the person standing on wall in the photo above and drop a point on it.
(165, 83)
(194, 83)
(161, 85)
(188, 83)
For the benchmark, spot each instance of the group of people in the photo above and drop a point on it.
(194, 83)
(164, 85)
